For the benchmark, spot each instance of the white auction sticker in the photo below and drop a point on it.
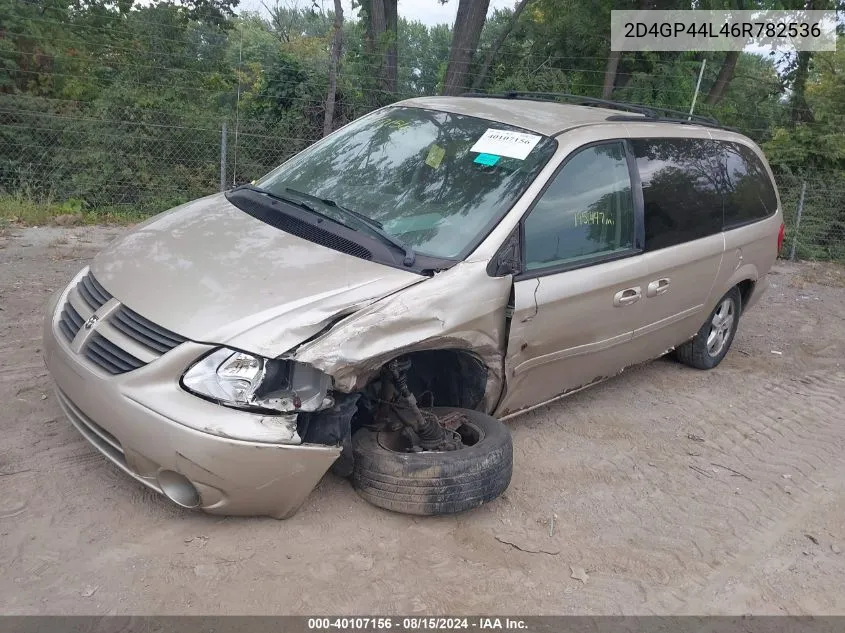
(506, 143)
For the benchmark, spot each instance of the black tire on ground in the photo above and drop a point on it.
(695, 352)
(431, 483)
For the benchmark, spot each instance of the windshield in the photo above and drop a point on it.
(435, 180)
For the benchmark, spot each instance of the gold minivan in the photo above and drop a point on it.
(379, 302)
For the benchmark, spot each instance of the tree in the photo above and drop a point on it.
(334, 60)
(726, 72)
(610, 74)
(799, 110)
(290, 23)
(817, 145)
(391, 62)
(382, 23)
(122, 103)
(424, 52)
(465, 36)
(497, 44)
(799, 71)
(614, 56)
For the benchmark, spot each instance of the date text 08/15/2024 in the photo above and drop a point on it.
(414, 624)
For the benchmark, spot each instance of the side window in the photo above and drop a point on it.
(682, 180)
(749, 194)
(586, 212)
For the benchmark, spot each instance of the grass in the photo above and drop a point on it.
(25, 210)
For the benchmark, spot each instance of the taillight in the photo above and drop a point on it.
(780, 236)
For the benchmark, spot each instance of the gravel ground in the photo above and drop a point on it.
(673, 491)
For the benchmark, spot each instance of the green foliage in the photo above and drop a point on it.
(814, 152)
(423, 53)
(26, 209)
(822, 229)
(817, 145)
(120, 105)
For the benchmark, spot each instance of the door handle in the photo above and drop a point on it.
(658, 287)
(627, 297)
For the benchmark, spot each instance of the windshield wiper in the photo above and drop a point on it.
(331, 203)
(291, 200)
(374, 225)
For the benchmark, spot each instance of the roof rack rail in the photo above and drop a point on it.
(703, 121)
(655, 113)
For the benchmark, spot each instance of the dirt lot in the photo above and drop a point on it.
(638, 473)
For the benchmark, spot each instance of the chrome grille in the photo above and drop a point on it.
(108, 356)
(122, 340)
(145, 331)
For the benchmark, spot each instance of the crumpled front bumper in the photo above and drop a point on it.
(162, 436)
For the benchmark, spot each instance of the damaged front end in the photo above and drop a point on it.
(280, 388)
(450, 355)
(460, 313)
(327, 386)
(368, 367)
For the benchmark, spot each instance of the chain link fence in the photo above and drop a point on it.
(814, 215)
(122, 155)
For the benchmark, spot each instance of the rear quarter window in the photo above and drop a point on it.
(682, 181)
(749, 193)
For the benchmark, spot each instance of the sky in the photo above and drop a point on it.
(429, 12)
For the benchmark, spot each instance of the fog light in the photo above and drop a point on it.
(178, 489)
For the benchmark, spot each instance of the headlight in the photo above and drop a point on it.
(244, 381)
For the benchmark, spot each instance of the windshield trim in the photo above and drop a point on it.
(485, 231)
(268, 209)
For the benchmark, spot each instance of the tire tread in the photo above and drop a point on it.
(434, 483)
(693, 353)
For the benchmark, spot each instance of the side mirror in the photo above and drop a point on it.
(508, 259)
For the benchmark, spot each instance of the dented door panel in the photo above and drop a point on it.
(566, 331)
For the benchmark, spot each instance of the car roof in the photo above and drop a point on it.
(551, 118)
(544, 117)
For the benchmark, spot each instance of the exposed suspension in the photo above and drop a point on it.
(424, 430)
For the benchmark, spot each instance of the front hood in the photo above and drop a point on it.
(212, 273)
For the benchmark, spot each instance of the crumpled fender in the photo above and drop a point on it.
(460, 308)
(268, 332)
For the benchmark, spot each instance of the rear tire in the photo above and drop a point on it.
(712, 342)
(434, 482)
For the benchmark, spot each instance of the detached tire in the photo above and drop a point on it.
(435, 482)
